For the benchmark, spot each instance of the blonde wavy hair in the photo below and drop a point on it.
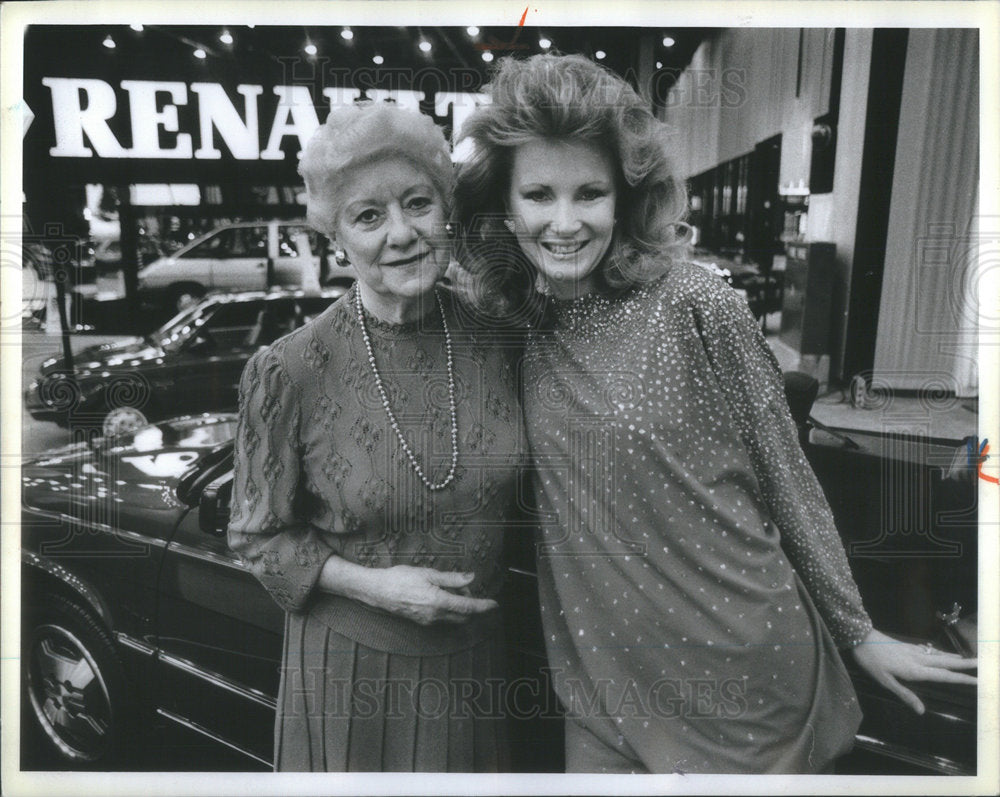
(568, 98)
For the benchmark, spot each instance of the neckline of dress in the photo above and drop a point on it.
(580, 308)
(430, 320)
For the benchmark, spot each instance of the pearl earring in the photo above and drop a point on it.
(340, 257)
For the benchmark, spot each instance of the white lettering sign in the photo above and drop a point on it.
(216, 112)
(72, 120)
(294, 102)
(146, 120)
(83, 107)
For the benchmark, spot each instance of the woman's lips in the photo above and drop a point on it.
(407, 262)
(561, 249)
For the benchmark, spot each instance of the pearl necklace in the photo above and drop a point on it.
(388, 410)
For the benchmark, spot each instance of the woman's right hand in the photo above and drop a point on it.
(421, 594)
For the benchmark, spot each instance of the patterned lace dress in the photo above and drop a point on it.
(318, 471)
(693, 586)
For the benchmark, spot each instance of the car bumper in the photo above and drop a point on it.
(40, 410)
(60, 403)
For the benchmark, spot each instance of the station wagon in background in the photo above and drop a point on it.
(243, 256)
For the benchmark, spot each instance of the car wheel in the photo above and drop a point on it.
(183, 296)
(75, 685)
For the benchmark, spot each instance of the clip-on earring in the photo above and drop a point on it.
(542, 285)
(340, 257)
(509, 224)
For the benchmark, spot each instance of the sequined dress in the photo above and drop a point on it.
(676, 501)
(318, 471)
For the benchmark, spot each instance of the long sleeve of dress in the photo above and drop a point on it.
(751, 381)
(285, 553)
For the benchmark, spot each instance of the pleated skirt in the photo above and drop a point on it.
(345, 707)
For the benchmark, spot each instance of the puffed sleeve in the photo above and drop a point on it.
(285, 553)
(751, 381)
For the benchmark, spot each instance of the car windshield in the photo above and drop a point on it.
(173, 334)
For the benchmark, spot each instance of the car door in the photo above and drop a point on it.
(205, 374)
(241, 259)
(222, 260)
(219, 641)
(909, 528)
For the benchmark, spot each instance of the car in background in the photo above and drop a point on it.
(136, 613)
(242, 256)
(190, 364)
(107, 253)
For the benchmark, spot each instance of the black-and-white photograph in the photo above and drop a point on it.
(480, 391)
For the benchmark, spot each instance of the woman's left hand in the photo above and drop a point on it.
(886, 660)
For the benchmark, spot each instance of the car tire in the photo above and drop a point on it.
(75, 689)
(183, 295)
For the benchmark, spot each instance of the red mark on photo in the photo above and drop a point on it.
(984, 451)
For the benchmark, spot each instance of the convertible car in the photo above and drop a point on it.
(137, 616)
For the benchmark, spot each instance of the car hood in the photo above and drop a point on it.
(124, 486)
(127, 353)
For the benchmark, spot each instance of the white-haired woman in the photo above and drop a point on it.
(376, 464)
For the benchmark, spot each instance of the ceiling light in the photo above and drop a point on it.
(226, 37)
(487, 56)
(659, 64)
(544, 43)
(472, 30)
(668, 41)
(347, 33)
(378, 60)
(136, 26)
(425, 45)
(310, 49)
(199, 53)
(600, 55)
(251, 26)
(109, 42)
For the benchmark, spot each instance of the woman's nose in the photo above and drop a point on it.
(565, 219)
(399, 230)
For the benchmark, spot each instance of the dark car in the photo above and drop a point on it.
(137, 615)
(190, 364)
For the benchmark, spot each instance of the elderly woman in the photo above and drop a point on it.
(376, 462)
(694, 589)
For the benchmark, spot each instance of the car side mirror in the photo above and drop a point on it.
(213, 506)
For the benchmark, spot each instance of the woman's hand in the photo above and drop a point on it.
(886, 659)
(420, 594)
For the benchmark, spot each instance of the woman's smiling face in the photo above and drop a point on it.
(562, 199)
(391, 224)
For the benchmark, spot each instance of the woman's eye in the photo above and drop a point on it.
(590, 194)
(535, 196)
(369, 216)
(420, 203)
